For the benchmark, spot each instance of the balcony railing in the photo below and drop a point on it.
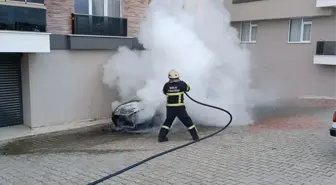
(30, 1)
(325, 3)
(326, 48)
(325, 53)
(98, 25)
(22, 18)
(243, 1)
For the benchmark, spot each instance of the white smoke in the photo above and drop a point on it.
(195, 38)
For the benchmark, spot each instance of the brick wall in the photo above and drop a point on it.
(134, 11)
(59, 16)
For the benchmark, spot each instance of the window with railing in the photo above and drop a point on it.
(99, 17)
(22, 18)
(243, 1)
(110, 8)
(27, 1)
(326, 48)
(98, 25)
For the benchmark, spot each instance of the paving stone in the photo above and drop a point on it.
(306, 155)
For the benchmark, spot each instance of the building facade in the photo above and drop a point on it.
(52, 55)
(292, 43)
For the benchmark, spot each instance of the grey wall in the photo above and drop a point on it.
(65, 86)
(26, 90)
(274, 9)
(91, 42)
(288, 69)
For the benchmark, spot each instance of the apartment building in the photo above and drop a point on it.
(292, 43)
(52, 54)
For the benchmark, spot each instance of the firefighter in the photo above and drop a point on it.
(174, 90)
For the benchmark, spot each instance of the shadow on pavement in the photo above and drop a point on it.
(82, 140)
(64, 142)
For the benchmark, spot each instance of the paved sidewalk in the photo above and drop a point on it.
(262, 154)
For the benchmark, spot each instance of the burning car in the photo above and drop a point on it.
(126, 117)
(333, 127)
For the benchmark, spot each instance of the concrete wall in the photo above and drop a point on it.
(65, 86)
(26, 90)
(288, 68)
(275, 9)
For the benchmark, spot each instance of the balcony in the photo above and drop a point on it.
(325, 3)
(325, 53)
(22, 29)
(22, 18)
(243, 1)
(29, 3)
(98, 25)
(26, 1)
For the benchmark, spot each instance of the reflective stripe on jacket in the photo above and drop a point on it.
(174, 91)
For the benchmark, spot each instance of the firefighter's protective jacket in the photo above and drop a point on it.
(174, 90)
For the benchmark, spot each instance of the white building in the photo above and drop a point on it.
(52, 55)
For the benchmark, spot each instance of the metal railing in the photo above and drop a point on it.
(98, 25)
(243, 1)
(326, 48)
(28, 1)
(22, 18)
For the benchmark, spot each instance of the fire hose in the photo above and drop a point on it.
(170, 150)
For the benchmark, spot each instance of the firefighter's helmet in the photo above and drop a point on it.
(173, 74)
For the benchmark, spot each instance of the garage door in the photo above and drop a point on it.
(10, 90)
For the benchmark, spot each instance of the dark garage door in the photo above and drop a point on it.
(10, 90)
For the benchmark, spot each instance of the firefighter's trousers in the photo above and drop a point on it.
(181, 113)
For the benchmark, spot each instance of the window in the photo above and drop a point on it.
(111, 8)
(98, 7)
(299, 30)
(248, 32)
(114, 8)
(81, 6)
